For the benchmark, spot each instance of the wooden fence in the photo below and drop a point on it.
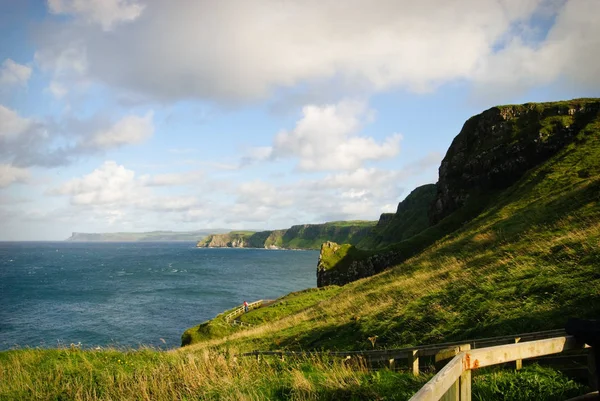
(453, 382)
(240, 310)
(413, 355)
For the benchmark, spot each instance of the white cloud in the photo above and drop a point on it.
(130, 129)
(174, 179)
(11, 124)
(13, 73)
(107, 13)
(10, 174)
(110, 183)
(570, 50)
(114, 190)
(326, 139)
(244, 50)
(27, 142)
(67, 63)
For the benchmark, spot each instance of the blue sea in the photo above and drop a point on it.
(132, 294)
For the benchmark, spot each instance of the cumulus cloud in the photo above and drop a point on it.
(114, 186)
(128, 130)
(107, 13)
(110, 183)
(10, 174)
(326, 138)
(28, 142)
(12, 73)
(243, 50)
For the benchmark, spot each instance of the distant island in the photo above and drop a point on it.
(145, 236)
(305, 236)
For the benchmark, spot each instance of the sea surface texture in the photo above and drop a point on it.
(132, 294)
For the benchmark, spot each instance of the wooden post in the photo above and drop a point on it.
(518, 362)
(413, 361)
(392, 363)
(464, 382)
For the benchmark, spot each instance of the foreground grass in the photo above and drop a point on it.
(66, 374)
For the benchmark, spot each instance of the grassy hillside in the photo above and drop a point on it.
(527, 262)
(307, 236)
(409, 220)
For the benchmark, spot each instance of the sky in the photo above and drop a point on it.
(140, 115)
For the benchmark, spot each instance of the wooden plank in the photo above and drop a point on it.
(439, 385)
(479, 358)
(452, 394)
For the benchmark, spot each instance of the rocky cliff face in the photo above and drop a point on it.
(492, 152)
(495, 148)
(231, 240)
(340, 264)
(305, 236)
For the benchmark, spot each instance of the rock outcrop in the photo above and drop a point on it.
(492, 152)
(495, 148)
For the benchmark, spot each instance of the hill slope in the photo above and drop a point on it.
(492, 151)
(528, 261)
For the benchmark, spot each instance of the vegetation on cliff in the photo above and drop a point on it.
(492, 152)
(306, 236)
(410, 219)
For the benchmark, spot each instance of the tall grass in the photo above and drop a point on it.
(71, 374)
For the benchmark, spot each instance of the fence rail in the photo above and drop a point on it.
(239, 311)
(453, 382)
(440, 352)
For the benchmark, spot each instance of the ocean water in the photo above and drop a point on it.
(131, 294)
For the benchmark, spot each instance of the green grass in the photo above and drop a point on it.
(72, 374)
(292, 303)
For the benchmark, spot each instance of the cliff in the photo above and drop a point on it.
(490, 154)
(306, 236)
(495, 148)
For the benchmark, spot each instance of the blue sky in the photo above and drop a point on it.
(138, 115)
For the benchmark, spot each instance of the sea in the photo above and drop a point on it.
(97, 294)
